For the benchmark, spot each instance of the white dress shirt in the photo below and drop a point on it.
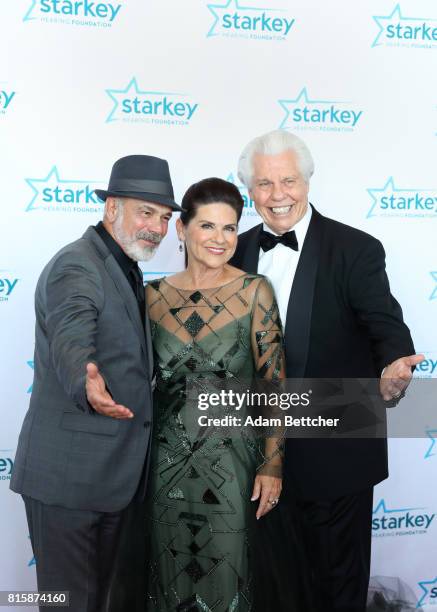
(280, 264)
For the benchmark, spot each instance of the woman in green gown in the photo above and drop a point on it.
(211, 323)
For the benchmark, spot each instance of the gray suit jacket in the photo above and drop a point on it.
(67, 454)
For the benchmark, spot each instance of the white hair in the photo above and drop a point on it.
(119, 204)
(275, 143)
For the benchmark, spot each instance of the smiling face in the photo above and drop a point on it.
(137, 226)
(211, 235)
(279, 190)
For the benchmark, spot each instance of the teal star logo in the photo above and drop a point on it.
(231, 179)
(302, 97)
(431, 433)
(218, 10)
(52, 179)
(389, 186)
(380, 18)
(383, 20)
(433, 295)
(28, 15)
(31, 365)
(425, 586)
(248, 202)
(34, 183)
(33, 560)
(117, 95)
(382, 507)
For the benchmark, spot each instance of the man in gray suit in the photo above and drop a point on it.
(83, 447)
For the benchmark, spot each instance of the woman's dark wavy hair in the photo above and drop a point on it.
(210, 191)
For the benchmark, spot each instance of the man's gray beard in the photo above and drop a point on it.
(130, 246)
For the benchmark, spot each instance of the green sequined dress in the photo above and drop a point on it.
(199, 510)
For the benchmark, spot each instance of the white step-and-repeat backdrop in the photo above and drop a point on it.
(83, 83)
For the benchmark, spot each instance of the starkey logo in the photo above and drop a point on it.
(392, 201)
(428, 369)
(432, 448)
(6, 97)
(73, 12)
(428, 592)
(31, 365)
(311, 114)
(392, 522)
(398, 30)
(6, 464)
(53, 194)
(133, 104)
(433, 295)
(249, 205)
(8, 284)
(233, 20)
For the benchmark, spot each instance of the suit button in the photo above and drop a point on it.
(147, 424)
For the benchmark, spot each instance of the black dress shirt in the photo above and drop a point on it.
(128, 266)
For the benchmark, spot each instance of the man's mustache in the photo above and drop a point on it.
(150, 236)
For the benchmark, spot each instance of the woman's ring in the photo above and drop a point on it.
(273, 502)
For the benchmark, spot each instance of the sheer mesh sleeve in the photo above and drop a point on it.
(268, 353)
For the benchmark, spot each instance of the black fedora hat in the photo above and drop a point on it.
(143, 177)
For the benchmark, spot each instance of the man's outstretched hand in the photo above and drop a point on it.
(99, 398)
(396, 377)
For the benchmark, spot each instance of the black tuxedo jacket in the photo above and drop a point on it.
(342, 322)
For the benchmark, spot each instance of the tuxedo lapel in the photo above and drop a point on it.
(250, 251)
(300, 304)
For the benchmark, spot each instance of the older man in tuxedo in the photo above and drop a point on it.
(83, 446)
(340, 321)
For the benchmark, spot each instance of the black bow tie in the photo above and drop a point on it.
(268, 241)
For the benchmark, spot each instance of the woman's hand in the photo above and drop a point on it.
(267, 489)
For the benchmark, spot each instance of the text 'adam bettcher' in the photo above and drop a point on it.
(283, 401)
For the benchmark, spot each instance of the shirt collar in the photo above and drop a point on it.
(124, 261)
(301, 227)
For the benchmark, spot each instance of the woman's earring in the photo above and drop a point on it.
(181, 247)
